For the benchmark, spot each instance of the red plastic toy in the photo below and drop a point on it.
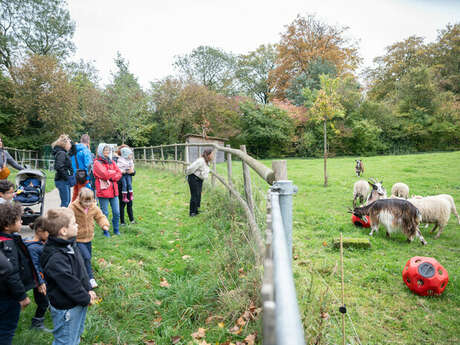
(425, 276)
(359, 222)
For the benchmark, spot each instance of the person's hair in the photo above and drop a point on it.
(85, 139)
(58, 218)
(86, 194)
(119, 149)
(9, 214)
(38, 224)
(5, 186)
(206, 154)
(61, 141)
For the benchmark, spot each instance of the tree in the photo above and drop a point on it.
(126, 104)
(253, 70)
(208, 66)
(41, 27)
(326, 106)
(305, 41)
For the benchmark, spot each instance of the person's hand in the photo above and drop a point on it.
(42, 289)
(130, 171)
(105, 227)
(24, 303)
(93, 297)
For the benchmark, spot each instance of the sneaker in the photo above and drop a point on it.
(116, 232)
(38, 324)
(123, 224)
(93, 283)
(193, 214)
(133, 222)
(106, 233)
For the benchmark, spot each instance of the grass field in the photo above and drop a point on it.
(170, 274)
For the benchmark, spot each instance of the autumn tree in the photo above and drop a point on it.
(208, 66)
(324, 106)
(45, 101)
(253, 70)
(306, 40)
(34, 27)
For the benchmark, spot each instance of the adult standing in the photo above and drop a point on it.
(82, 160)
(196, 173)
(107, 174)
(129, 204)
(5, 158)
(63, 179)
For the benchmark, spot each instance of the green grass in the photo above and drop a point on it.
(382, 309)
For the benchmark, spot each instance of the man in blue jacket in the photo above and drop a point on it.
(82, 160)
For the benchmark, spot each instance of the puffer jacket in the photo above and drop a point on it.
(62, 164)
(85, 220)
(108, 171)
(83, 156)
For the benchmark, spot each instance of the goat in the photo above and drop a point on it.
(435, 210)
(393, 214)
(400, 190)
(360, 191)
(377, 192)
(359, 167)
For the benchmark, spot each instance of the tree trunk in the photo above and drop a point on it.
(325, 154)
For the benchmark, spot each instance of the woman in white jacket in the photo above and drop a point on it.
(196, 173)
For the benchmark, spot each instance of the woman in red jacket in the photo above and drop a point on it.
(107, 174)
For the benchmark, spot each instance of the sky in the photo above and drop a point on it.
(150, 33)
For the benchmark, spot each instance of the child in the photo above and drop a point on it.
(20, 278)
(86, 212)
(126, 164)
(35, 247)
(68, 287)
(6, 191)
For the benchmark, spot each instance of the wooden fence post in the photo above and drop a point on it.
(280, 169)
(229, 168)
(175, 158)
(162, 156)
(247, 182)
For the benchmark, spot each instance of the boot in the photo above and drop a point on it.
(125, 197)
(106, 233)
(130, 196)
(38, 324)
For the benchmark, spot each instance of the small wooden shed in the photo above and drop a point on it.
(195, 151)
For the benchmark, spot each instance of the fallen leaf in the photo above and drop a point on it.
(157, 302)
(324, 315)
(186, 257)
(325, 244)
(251, 339)
(149, 342)
(164, 283)
(158, 319)
(175, 339)
(201, 333)
(296, 257)
(240, 322)
(221, 325)
(246, 315)
(235, 330)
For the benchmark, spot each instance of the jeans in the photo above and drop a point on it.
(104, 204)
(126, 183)
(9, 317)
(42, 303)
(68, 325)
(64, 192)
(196, 185)
(86, 252)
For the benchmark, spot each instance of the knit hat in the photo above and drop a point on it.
(126, 152)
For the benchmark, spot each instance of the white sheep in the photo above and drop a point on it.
(400, 190)
(360, 191)
(434, 210)
(447, 197)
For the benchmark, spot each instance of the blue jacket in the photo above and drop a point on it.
(35, 249)
(84, 158)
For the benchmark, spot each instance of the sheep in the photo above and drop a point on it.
(393, 214)
(450, 199)
(400, 190)
(377, 192)
(434, 210)
(359, 167)
(360, 191)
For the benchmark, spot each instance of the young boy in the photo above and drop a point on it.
(68, 287)
(6, 191)
(35, 247)
(21, 276)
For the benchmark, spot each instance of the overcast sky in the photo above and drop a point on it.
(149, 33)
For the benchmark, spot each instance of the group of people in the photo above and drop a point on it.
(109, 174)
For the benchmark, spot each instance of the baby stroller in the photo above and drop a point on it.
(30, 191)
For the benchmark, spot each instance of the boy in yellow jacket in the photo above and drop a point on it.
(86, 212)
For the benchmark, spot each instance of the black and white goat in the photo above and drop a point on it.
(377, 192)
(359, 167)
(394, 214)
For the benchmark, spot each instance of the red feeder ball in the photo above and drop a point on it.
(425, 276)
(359, 222)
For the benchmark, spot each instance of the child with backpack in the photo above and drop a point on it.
(86, 213)
(68, 287)
(21, 276)
(35, 247)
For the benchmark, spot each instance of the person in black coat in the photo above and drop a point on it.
(64, 178)
(19, 277)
